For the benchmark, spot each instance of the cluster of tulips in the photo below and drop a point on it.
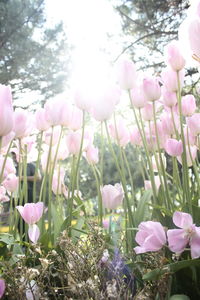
(165, 124)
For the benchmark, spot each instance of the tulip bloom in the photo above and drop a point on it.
(174, 147)
(31, 213)
(40, 120)
(151, 88)
(73, 141)
(3, 197)
(151, 237)
(147, 112)
(169, 99)
(2, 287)
(11, 183)
(178, 239)
(138, 97)
(120, 132)
(126, 74)
(194, 36)
(92, 155)
(174, 57)
(188, 104)
(112, 196)
(6, 110)
(169, 79)
(193, 123)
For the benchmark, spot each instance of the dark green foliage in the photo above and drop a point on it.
(152, 24)
(32, 56)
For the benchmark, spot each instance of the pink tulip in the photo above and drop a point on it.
(23, 123)
(168, 125)
(105, 102)
(73, 140)
(92, 155)
(112, 195)
(48, 138)
(40, 119)
(83, 99)
(174, 147)
(193, 123)
(75, 120)
(178, 239)
(6, 110)
(148, 183)
(120, 132)
(11, 183)
(151, 237)
(188, 104)
(194, 36)
(135, 137)
(191, 153)
(190, 139)
(126, 74)
(174, 57)
(31, 212)
(138, 97)
(53, 111)
(147, 112)
(169, 79)
(58, 184)
(169, 99)
(9, 166)
(151, 88)
(2, 287)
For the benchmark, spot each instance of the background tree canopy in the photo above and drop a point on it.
(151, 24)
(32, 56)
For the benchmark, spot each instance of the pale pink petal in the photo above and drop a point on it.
(177, 240)
(33, 233)
(140, 250)
(195, 244)
(182, 220)
(2, 287)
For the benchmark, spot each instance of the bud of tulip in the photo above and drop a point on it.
(138, 97)
(170, 80)
(6, 110)
(169, 99)
(188, 104)
(126, 74)
(174, 147)
(11, 183)
(40, 120)
(152, 89)
(194, 36)
(73, 140)
(2, 287)
(193, 123)
(174, 57)
(112, 196)
(147, 112)
(92, 155)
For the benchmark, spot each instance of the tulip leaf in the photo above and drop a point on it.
(142, 210)
(171, 268)
(7, 238)
(57, 220)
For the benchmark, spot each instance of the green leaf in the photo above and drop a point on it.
(142, 211)
(57, 220)
(7, 238)
(171, 268)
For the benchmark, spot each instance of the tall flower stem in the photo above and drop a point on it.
(37, 165)
(186, 188)
(144, 141)
(100, 207)
(127, 206)
(74, 177)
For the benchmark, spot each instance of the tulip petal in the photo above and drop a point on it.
(195, 244)
(2, 287)
(182, 220)
(33, 233)
(177, 240)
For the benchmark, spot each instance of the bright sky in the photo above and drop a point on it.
(93, 27)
